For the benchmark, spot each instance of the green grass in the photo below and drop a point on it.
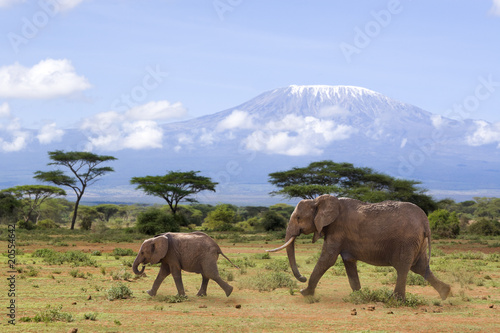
(74, 258)
(267, 292)
(383, 295)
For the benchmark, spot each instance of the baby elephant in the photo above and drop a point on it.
(193, 252)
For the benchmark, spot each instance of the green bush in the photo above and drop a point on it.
(53, 314)
(118, 291)
(272, 221)
(90, 316)
(28, 225)
(220, 219)
(76, 258)
(47, 224)
(269, 281)
(123, 252)
(444, 224)
(485, 227)
(155, 221)
(385, 296)
(277, 265)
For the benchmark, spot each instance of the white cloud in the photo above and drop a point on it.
(63, 5)
(49, 133)
(297, 136)
(160, 110)
(236, 120)
(495, 9)
(7, 3)
(49, 78)
(437, 121)
(12, 137)
(333, 111)
(485, 133)
(142, 134)
(135, 129)
(68, 4)
(4, 110)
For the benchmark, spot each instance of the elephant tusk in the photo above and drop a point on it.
(290, 241)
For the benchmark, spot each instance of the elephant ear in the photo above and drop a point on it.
(327, 210)
(159, 248)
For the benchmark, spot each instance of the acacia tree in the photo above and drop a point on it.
(85, 168)
(175, 186)
(32, 196)
(344, 179)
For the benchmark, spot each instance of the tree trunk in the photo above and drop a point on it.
(75, 212)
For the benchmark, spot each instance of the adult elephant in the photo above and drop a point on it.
(389, 233)
(193, 252)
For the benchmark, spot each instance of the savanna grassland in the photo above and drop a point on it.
(68, 280)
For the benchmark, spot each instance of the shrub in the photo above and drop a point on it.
(123, 252)
(52, 314)
(76, 258)
(155, 221)
(47, 224)
(444, 224)
(220, 219)
(28, 225)
(277, 265)
(118, 291)
(270, 281)
(90, 316)
(272, 221)
(485, 227)
(172, 299)
(384, 295)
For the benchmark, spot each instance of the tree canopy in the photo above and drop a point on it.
(85, 169)
(33, 196)
(175, 186)
(344, 179)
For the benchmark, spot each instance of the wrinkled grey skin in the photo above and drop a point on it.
(389, 233)
(193, 252)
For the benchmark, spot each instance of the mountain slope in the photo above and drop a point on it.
(293, 126)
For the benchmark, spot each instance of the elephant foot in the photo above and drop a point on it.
(151, 292)
(307, 292)
(229, 291)
(445, 292)
(201, 293)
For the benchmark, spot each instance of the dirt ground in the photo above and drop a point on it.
(470, 308)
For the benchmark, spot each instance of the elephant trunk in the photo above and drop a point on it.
(136, 265)
(290, 251)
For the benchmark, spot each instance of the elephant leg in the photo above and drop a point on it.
(228, 289)
(326, 260)
(162, 274)
(400, 289)
(176, 274)
(421, 267)
(352, 274)
(211, 271)
(203, 288)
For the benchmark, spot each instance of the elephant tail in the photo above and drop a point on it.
(428, 269)
(228, 259)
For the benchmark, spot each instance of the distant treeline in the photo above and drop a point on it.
(450, 219)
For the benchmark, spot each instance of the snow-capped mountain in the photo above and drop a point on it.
(294, 126)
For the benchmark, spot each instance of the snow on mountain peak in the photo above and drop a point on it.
(330, 91)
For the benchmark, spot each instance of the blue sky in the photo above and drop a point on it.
(83, 63)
